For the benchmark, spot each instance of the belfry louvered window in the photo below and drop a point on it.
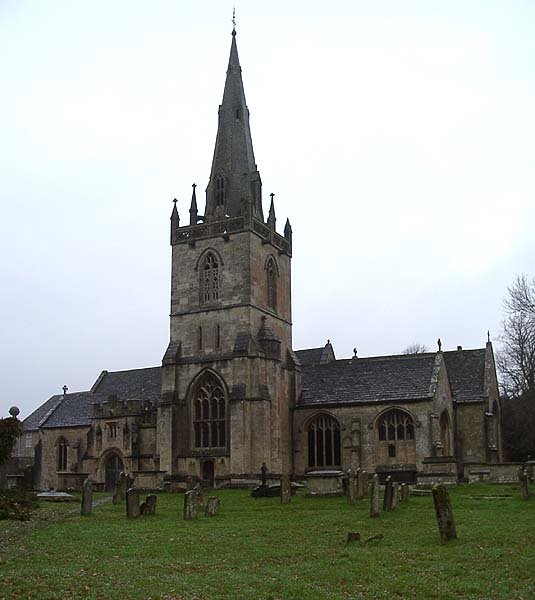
(220, 191)
(210, 279)
(395, 425)
(271, 272)
(324, 442)
(209, 414)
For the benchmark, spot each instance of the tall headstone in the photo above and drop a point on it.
(362, 484)
(286, 489)
(374, 497)
(132, 503)
(395, 494)
(191, 505)
(405, 492)
(212, 506)
(87, 497)
(387, 498)
(524, 484)
(351, 492)
(446, 524)
(120, 488)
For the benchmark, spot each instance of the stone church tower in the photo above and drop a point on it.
(229, 379)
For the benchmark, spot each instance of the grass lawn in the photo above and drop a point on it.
(258, 548)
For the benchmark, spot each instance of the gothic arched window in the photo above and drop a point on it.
(209, 278)
(220, 191)
(324, 442)
(209, 413)
(395, 425)
(62, 449)
(271, 274)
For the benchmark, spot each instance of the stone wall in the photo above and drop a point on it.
(50, 476)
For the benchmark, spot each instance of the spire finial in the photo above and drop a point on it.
(488, 337)
(175, 201)
(234, 20)
(439, 342)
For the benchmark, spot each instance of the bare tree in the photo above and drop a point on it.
(415, 349)
(516, 360)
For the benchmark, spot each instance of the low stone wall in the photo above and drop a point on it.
(493, 473)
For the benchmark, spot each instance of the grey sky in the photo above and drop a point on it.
(399, 138)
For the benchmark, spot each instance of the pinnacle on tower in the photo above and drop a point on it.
(234, 176)
(271, 217)
(175, 220)
(193, 212)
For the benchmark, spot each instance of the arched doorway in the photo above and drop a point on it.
(114, 465)
(207, 472)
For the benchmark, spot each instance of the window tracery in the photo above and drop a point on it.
(395, 425)
(324, 442)
(62, 454)
(209, 414)
(210, 278)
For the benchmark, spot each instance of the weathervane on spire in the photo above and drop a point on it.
(234, 18)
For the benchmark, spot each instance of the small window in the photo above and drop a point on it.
(220, 191)
(199, 338)
(112, 431)
(209, 279)
(218, 336)
(271, 271)
(391, 450)
(238, 113)
(28, 440)
(62, 448)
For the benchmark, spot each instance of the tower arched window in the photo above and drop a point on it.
(324, 442)
(62, 450)
(210, 278)
(220, 191)
(271, 275)
(209, 414)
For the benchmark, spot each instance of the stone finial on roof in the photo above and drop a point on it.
(488, 337)
(65, 390)
(439, 342)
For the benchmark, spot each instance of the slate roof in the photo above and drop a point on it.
(466, 372)
(136, 384)
(310, 356)
(377, 379)
(32, 421)
(72, 410)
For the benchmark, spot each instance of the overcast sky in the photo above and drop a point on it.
(398, 137)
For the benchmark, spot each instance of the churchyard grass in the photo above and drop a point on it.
(260, 548)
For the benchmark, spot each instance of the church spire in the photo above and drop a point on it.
(234, 176)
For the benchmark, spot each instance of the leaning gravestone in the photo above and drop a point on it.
(286, 489)
(395, 493)
(87, 497)
(191, 505)
(446, 524)
(524, 484)
(132, 503)
(387, 499)
(120, 488)
(351, 486)
(374, 497)
(212, 506)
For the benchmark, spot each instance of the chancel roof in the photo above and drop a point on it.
(466, 372)
(377, 379)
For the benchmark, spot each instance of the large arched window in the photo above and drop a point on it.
(209, 278)
(209, 413)
(323, 442)
(271, 275)
(395, 437)
(62, 450)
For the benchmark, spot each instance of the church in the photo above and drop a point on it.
(231, 393)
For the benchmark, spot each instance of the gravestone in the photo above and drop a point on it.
(149, 506)
(374, 497)
(191, 505)
(286, 489)
(87, 497)
(351, 492)
(446, 524)
(197, 493)
(353, 536)
(120, 488)
(362, 484)
(262, 490)
(395, 494)
(132, 503)
(524, 484)
(212, 506)
(387, 498)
